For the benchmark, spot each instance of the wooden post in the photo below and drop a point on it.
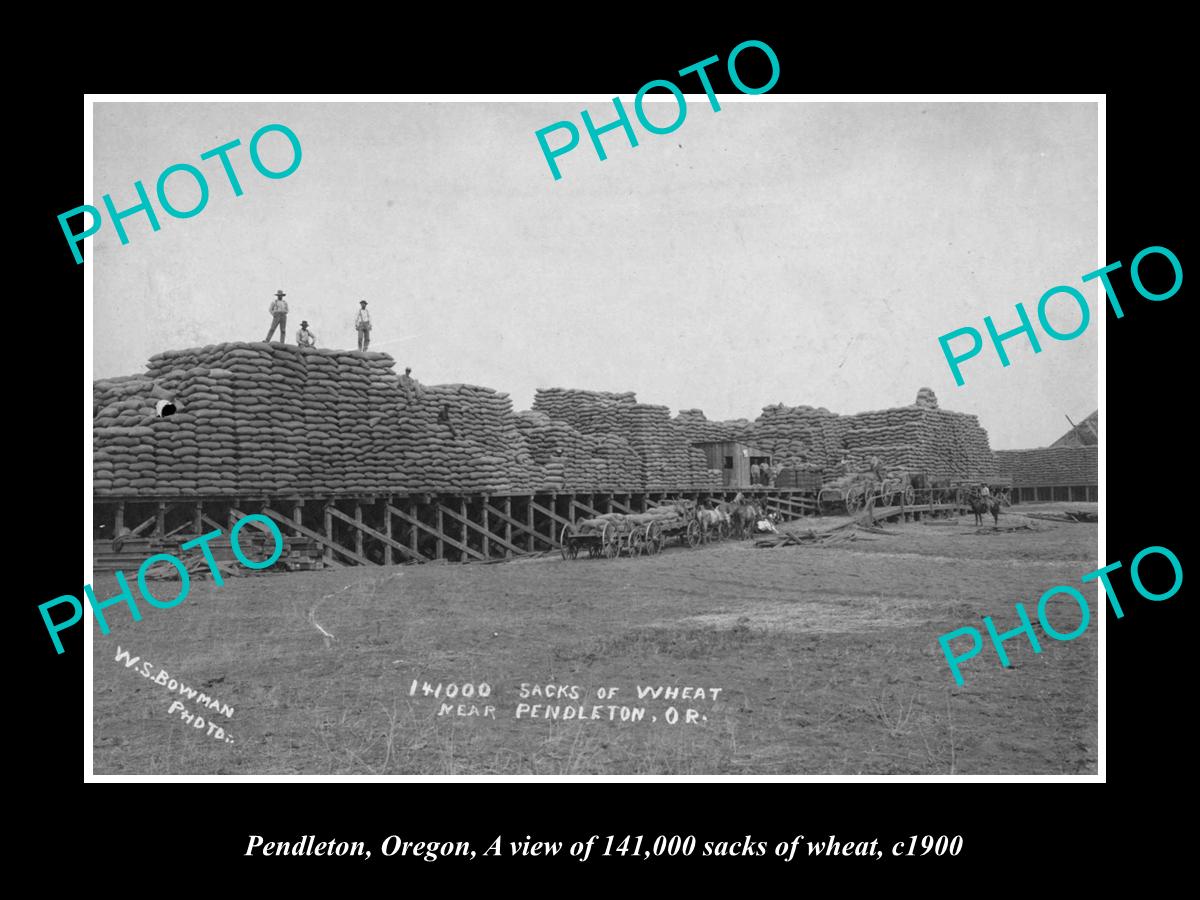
(296, 514)
(388, 559)
(462, 508)
(198, 520)
(441, 547)
(507, 524)
(328, 532)
(412, 529)
(119, 519)
(160, 522)
(487, 547)
(608, 504)
(529, 519)
(358, 535)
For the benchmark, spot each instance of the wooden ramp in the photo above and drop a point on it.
(914, 513)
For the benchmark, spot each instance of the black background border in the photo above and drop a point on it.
(1145, 494)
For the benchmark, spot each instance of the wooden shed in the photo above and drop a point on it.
(733, 459)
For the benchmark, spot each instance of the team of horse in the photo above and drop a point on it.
(738, 517)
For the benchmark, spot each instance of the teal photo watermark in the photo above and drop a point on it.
(1026, 328)
(144, 205)
(622, 120)
(185, 580)
(955, 660)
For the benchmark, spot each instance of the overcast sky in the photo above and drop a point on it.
(770, 252)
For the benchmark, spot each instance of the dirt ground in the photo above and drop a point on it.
(826, 660)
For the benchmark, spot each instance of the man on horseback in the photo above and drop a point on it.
(981, 501)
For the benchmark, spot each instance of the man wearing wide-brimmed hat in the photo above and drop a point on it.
(304, 337)
(279, 311)
(362, 324)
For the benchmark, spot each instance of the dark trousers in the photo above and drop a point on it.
(364, 338)
(278, 321)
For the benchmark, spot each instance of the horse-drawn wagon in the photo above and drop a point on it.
(632, 534)
(852, 492)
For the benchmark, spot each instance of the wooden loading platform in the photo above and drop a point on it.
(383, 529)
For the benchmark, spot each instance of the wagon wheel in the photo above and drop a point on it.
(853, 502)
(611, 542)
(693, 533)
(565, 546)
(654, 538)
(634, 542)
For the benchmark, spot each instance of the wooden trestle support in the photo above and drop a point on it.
(386, 529)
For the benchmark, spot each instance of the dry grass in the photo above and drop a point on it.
(820, 672)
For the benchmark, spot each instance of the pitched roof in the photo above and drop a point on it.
(1085, 433)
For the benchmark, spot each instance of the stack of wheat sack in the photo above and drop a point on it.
(480, 449)
(330, 453)
(584, 460)
(551, 443)
(667, 459)
(956, 444)
(921, 438)
(976, 448)
(244, 412)
(124, 461)
(927, 398)
(592, 412)
(364, 471)
(204, 395)
(176, 439)
(898, 437)
(802, 432)
(569, 460)
(1050, 466)
(621, 465)
(798, 473)
(662, 448)
(596, 413)
(264, 419)
(699, 429)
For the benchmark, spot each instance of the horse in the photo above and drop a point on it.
(710, 520)
(980, 505)
(745, 518)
